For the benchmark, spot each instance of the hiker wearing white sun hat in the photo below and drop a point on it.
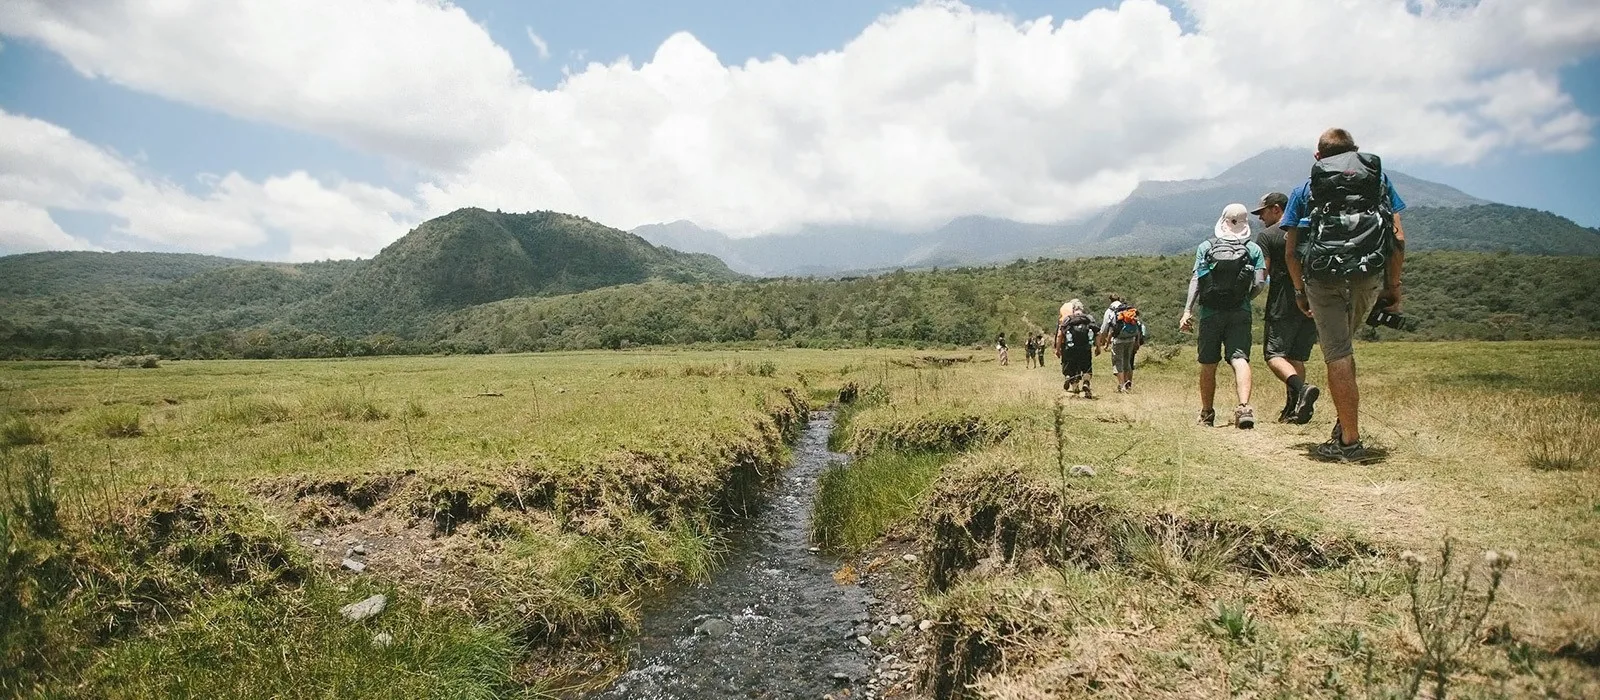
(1229, 270)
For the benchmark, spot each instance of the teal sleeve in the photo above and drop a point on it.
(1200, 259)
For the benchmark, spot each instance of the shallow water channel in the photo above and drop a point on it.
(772, 622)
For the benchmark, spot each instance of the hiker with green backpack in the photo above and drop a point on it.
(1343, 225)
(1229, 270)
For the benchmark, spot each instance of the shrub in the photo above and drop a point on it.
(128, 362)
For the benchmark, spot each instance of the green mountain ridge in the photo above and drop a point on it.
(82, 304)
(476, 281)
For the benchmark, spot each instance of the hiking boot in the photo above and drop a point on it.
(1127, 387)
(1086, 392)
(1207, 418)
(1335, 451)
(1286, 415)
(1307, 404)
(1244, 417)
(1122, 389)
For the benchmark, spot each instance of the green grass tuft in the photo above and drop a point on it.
(17, 430)
(117, 421)
(858, 502)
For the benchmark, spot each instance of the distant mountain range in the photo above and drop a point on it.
(1158, 217)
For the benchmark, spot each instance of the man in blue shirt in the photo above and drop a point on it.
(1340, 304)
(1232, 271)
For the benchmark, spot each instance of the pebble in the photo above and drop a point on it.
(925, 625)
(316, 542)
(382, 639)
(909, 558)
(864, 641)
(360, 550)
(1082, 470)
(353, 565)
(356, 612)
(894, 620)
(715, 628)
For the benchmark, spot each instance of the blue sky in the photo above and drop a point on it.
(237, 159)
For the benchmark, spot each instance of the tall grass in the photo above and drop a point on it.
(117, 421)
(251, 410)
(297, 645)
(17, 430)
(858, 502)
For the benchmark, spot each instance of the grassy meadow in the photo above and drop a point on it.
(1196, 562)
(179, 531)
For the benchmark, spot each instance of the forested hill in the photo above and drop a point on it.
(472, 256)
(1453, 294)
(81, 304)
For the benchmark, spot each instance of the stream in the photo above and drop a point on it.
(772, 622)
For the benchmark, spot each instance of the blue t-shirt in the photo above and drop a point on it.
(1201, 269)
(1298, 215)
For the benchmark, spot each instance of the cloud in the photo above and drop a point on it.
(43, 167)
(25, 228)
(538, 43)
(931, 112)
(416, 79)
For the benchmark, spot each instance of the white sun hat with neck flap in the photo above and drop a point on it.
(1234, 223)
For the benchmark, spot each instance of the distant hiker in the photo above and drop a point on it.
(1122, 329)
(1343, 224)
(1288, 334)
(1000, 346)
(1075, 341)
(1228, 272)
(1032, 350)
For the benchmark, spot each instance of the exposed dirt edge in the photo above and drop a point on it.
(985, 521)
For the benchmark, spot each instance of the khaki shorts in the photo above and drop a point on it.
(1122, 356)
(1340, 307)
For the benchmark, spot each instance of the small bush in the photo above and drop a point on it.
(128, 362)
(17, 430)
(120, 421)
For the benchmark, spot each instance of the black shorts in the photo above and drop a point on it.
(1077, 361)
(1225, 330)
(1290, 337)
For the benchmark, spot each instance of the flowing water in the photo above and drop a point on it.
(773, 622)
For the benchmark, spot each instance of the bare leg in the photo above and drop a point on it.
(1241, 378)
(1285, 368)
(1346, 398)
(1208, 386)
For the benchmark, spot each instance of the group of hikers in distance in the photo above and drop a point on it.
(1329, 255)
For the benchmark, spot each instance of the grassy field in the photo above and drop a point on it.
(1198, 562)
(179, 531)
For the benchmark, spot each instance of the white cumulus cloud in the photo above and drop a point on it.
(931, 112)
(43, 167)
(25, 228)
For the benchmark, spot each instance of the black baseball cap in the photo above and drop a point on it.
(1271, 199)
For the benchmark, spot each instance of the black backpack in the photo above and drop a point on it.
(1232, 275)
(1352, 226)
(1077, 331)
